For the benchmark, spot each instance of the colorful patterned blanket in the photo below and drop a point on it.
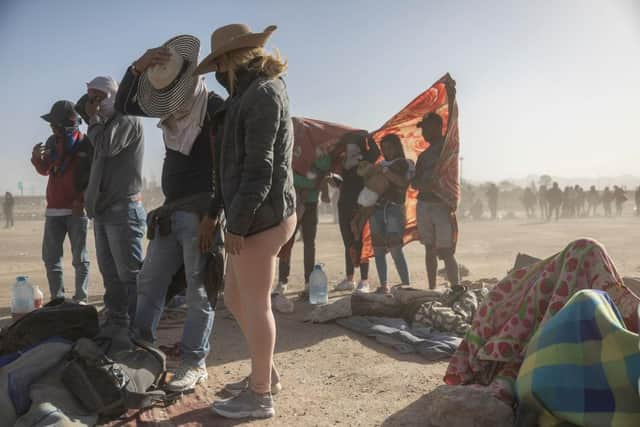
(494, 347)
(582, 366)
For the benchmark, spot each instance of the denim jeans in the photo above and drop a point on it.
(118, 234)
(387, 228)
(55, 230)
(165, 256)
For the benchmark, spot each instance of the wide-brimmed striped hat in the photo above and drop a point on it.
(164, 88)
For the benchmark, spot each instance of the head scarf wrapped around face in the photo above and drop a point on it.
(181, 128)
(109, 87)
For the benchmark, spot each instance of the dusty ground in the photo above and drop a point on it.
(331, 376)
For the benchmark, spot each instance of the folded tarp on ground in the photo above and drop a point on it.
(396, 333)
(582, 366)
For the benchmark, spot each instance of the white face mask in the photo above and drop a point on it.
(352, 156)
(107, 107)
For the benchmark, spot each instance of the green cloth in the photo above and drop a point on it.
(309, 187)
(582, 366)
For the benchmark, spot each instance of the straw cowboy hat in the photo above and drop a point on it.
(232, 37)
(164, 88)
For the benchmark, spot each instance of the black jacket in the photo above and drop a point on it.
(181, 175)
(254, 147)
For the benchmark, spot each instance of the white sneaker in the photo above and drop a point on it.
(345, 285)
(187, 378)
(282, 304)
(363, 287)
(281, 288)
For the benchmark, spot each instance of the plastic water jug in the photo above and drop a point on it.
(22, 297)
(318, 290)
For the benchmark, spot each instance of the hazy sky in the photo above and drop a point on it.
(543, 86)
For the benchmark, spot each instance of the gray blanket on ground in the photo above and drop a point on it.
(397, 334)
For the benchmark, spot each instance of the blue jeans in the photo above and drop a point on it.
(55, 230)
(387, 229)
(165, 256)
(118, 233)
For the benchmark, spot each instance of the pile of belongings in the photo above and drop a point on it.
(429, 323)
(58, 368)
(530, 324)
(453, 312)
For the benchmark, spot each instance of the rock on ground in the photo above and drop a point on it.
(464, 406)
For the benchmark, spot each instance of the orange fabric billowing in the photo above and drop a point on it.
(440, 99)
(312, 136)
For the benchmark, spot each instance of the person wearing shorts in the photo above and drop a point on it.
(436, 220)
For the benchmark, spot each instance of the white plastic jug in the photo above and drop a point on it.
(22, 297)
(318, 288)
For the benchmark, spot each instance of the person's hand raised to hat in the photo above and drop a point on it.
(156, 56)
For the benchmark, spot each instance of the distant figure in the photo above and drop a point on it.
(607, 198)
(492, 199)
(529, 201)
(543, 201)
(619, 196)
(7, 208)
(477, 210)
(593, 200)
(638, 201)
(567, 202)
(555, 196)
(581, 199)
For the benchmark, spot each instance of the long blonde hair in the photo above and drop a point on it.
(270, 65)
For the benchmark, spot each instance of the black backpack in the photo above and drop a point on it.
(59, 318)
(109, 386)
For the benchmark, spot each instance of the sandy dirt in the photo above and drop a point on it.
(332, 376)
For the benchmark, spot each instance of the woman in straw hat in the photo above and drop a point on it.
(161, 84)
(256, 192)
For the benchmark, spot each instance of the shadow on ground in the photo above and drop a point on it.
(412, 415)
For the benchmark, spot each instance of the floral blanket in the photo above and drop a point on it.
(494, 348)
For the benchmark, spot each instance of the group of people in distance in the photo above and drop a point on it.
(229, 186)
(575, 202)
(555, 202)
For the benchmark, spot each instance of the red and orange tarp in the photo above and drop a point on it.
(313, 137)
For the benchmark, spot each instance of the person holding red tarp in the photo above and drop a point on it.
(439, 99)
(314, 156)
(437, 222)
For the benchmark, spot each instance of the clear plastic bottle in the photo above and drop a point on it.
(22, 297)
(318, 289)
